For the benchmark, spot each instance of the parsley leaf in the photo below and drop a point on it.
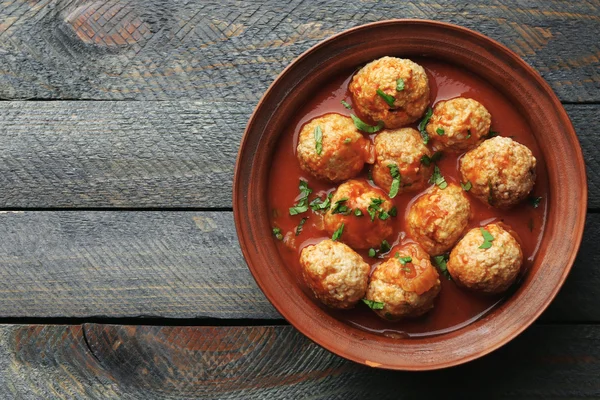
(302, 204)
(393, 211)
(427, 161)
(386, 97)
(438, 179)
(468, 134)
(358, 212)
(338, 232)
(348, 106)
(373, 305)
(372, 252)
(466, 186)
(300, 225)
(385, 247)
(374, 207)
(487, 239)
(440, 131)
(491, 134)
(424, 123)
(319, 140)
(277, 233)
(396, 180)
(535, 201)
(441, 263)
(361, 126)
(403, 260)
(319, 205)
(340, 207)
(347, 140)
(400, 85)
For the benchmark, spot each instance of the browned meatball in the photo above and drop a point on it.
(459, 124)
(407, 284)
(331, 148)
(491, 269)
(403, 82)
(404, 149)
(501, 172)
(439, 217)
(336, 274)
(364, 212)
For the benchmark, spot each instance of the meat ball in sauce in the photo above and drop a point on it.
(401, 82)
(501, 172)
(404, 149)
(491, 269)
(336, 274)
(407, 284)
(365, 212)
(437, 219)
(459, 124)
(331, 148)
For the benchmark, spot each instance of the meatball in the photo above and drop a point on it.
(459, 124)
(407, 284)
(362, 213)
(336, 274)
(402, 82)
(339, 154)
(439, 217)
(403, 148)
(488, 266)
(501, 172)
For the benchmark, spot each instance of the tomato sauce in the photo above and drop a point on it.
(454, 307)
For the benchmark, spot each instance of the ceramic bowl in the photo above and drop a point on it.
(512, 77)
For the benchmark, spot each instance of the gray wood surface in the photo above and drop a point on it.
(175, 154)
(156, 50)
(173, 264)
(150, 362)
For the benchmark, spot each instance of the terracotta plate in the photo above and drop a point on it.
(511, 76)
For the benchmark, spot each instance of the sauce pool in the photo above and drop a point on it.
(454, 308)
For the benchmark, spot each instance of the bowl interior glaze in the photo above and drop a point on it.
(510, 75)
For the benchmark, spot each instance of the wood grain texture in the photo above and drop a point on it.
(176, 265)
(175, 154)
(155, 50)
(149, 362)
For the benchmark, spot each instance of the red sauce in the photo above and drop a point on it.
(454, 307)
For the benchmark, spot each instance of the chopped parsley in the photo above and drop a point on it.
(361, 126)
(440, 131)
(386, 97)
(372, 252)
(491, 134)
(535, 201)
(396, 180)
(441, 263)
(468, 134)
(300, 225)
(393, 211)
(400, 85)
(340, 207)
(358, 212)
(375, 207)
(319, 204)
(347, 140)
(427, 161)
(373, 305)
(345, 104)
(466, 186)
(385, 247)
(438, 179)
(424, 123)
(318, 140)
(302, 203)
(403, 260)
(338, 232)
(277, 233)
(487, 239)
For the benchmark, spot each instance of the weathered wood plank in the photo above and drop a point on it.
(173, 264)
(148, 362)
(149, 154)
(151, 49)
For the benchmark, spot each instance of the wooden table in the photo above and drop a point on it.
(121, 276)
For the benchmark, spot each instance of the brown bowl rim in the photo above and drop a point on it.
(577, 235)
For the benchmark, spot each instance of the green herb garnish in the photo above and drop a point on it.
(319, 205)
(338, 233)
(396, 180)
(386, 97)
(302, 204)
(372, 252)
(466, 186)
(385, 247)
(439, 131)
(535, 201)
(347, 140)
(424, 123)
(300, 225)
(400, 84)
(348, 106)
(468, 134)
(441, 263)
(373, 305)
(277, 233)
(393, 211)
(361, 126)
(340, 207)
(487, 239)
(403, 260)
(427, 161)
(491, 134)
(319, 140)
(358, 212)
(374, 207)
(438, 179)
